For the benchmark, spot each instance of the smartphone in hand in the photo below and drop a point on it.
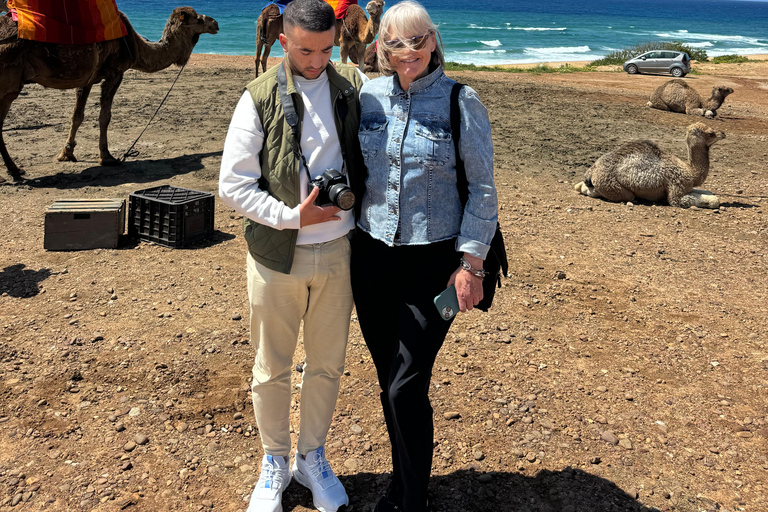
(447, 303)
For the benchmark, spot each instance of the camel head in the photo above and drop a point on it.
(186, 19)
(375, 8)
(721, 91)
(699, 133)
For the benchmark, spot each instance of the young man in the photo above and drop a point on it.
(298, 252)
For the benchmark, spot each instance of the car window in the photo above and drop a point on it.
(668, 55)
(652, 55)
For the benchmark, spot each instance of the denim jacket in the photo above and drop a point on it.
(411, 196)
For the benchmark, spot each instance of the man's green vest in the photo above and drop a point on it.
(280, 167)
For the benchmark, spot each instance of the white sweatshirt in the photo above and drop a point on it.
(241, 168)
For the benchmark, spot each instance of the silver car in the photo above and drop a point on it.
(660, 61)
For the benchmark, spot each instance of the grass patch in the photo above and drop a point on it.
(620, 56)
(541, 68)
(730, 59)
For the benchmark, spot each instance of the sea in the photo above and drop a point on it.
(490, 32)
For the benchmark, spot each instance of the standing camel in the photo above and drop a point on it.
(354, 31)
(268, 29)
(79, 67)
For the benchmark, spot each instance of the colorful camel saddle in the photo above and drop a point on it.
(281, 4)
(67, 21)
(340, 7)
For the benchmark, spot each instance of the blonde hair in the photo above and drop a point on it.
(406, 17)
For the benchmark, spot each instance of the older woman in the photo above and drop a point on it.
(414, 237)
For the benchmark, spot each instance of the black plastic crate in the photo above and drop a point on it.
(170, 216)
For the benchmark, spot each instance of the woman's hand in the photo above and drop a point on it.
(469, 288)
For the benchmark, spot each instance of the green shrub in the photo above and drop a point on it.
(730, 59)
(540, 68)
(620, 56)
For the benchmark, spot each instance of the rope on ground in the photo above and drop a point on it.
(134, 152)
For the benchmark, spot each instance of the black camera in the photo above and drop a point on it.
(333, 190)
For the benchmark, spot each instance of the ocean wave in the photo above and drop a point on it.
(738, 51)
(491, 43)
(472, 25)
(481, 52)
(559, 50)
(705, 44)
(539, 29)
(685, 35)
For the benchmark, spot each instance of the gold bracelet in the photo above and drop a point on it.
(477, 272)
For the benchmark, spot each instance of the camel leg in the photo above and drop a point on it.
(108, 90)
(258, 55)
(696, 112)
(68, 153)
(267, 49)
(698, 198)
(344, 51)
(5, 106)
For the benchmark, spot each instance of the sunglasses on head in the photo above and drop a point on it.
(414, 43)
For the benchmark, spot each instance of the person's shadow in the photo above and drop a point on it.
(18, 282)
(471, 491)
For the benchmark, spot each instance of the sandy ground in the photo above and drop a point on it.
(623, 366)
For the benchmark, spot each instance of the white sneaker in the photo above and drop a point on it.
(273, 480)
(316, 474)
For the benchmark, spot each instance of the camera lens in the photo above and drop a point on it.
(342, 196)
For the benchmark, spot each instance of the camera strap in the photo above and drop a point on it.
(291, 116)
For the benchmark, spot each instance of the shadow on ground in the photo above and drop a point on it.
(19, 282)
(138, 171)
(471, 491)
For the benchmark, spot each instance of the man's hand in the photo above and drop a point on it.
(311, 214)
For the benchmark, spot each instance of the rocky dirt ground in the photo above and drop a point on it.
(623, 366)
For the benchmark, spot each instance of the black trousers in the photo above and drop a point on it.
(393, 289)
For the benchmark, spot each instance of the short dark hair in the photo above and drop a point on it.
(311, 15)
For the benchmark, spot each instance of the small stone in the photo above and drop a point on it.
(129, 446)
(352, 465)
(182, 426)
(119, 427)
(609, 437)
(141, 439)
(744, 434)
(126, 466)
(16, 500)
(478, 455)
(595, 460)
(530, 457)
(236, 317)
(246, 468)
(356, 429)
(485, 478)
(626, 444)
(451, 415)
(238, 416)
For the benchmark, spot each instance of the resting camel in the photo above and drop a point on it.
(81, 66)
(640, 169)
(371, 60)
(353, 32)
(678, 96)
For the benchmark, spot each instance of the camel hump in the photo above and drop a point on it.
(637, 147)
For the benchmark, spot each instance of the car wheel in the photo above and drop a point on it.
(677, 73)
(632, 69)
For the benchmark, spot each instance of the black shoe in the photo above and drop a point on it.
(385, 505)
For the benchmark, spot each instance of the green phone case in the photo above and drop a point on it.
(447, 303)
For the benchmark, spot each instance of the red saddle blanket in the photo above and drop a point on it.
(340, 7)
(67, 21)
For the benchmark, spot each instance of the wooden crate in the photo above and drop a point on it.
(76, 224)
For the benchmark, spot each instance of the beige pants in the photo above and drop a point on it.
(317, 292)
